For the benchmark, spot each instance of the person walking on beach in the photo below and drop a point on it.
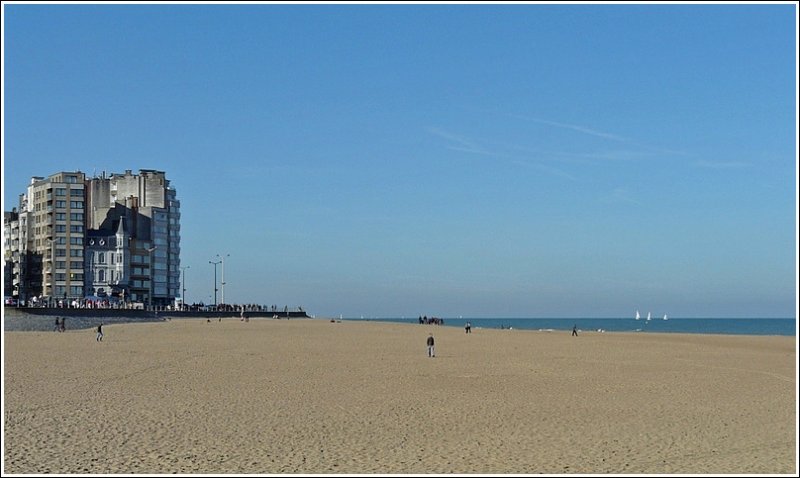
(431, 351)
(100, 332)
(575, 330)
(468, 328)
(58, 325)
(63, 324)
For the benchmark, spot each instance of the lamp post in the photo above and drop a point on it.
(183, 285)
(51, 246)
(215, 280)
(52, 287)
(150, 258)
(222, 281)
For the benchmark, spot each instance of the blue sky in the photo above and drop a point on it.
(400, 160)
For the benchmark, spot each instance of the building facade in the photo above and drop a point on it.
(76, 237)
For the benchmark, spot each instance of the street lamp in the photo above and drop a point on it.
(215, 280)
(52, 287)
(222, 260)
(150, 257)
(183, 284)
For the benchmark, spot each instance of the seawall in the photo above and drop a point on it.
(43, 318)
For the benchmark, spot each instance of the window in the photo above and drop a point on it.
(61, 192)
(101, 275)
(61, 253)
(76, 216)
(76, 252)
(76, 290)
(76, 276)
(74, 228)
(60, 216)
(61, 228)
(61, 204)
(76, 240)
(61, 264)
(76, 192)
(60, 276)
(76, 204)
(76, 265)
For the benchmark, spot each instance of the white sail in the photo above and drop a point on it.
(665, 316)
(637, 315)
(648, 316)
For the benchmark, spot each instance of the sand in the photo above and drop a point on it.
(311, 396)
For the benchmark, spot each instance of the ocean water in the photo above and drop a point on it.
(677, 325)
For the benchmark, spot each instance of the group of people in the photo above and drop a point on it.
(61, 326)
(432, 320)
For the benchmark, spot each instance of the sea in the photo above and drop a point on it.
(739, 326)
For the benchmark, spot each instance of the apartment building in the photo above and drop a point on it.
(75, 237)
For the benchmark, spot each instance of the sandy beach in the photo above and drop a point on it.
(311, 396)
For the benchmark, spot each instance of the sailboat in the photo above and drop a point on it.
(665, 316)
(648, 316)
(637, 315)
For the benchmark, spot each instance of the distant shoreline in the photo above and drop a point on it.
(706, 326)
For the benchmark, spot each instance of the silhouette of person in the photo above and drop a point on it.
(575, 330)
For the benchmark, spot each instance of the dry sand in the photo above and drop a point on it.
(311, 396)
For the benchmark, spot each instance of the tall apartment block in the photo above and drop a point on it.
(109, 236)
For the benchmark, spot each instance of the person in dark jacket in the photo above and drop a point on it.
(431, 352)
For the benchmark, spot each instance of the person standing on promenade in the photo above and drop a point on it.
(431, 351)
(575, 330)
(100, 332)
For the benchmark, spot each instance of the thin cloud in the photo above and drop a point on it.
(578, 128)
(463, 144)
(463, 141)
(473, 151)
(467, 145)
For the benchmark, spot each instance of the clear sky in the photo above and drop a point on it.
(399, 160)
